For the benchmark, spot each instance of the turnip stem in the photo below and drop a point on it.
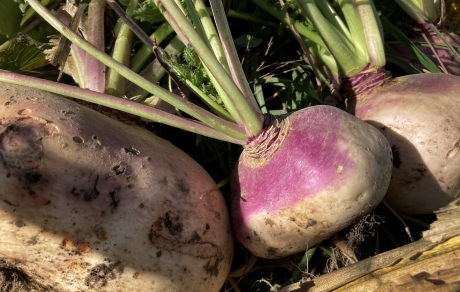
(426, 7)
(94, 69)
(349, 63)
(300, 27)
(230, 53)
(206, 117)
(155, 71)
(374, 33)
(237, 106)
(206, 30)
(351, 14)
(118, 104)
(121, 52)
(145, 51)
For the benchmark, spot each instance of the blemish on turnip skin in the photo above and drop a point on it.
(182, 185)
(102, 273)
(132, 151)
(339, 169)
(32, 241)
(453, 152)
(19, 224)
(78, 139)
(24, 112)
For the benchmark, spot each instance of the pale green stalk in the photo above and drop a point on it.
(94, 69)
(236, 70)
(208, 118)
(115, 83)
(373, 32)
(349, 63)
(116, 103)
(155, 71)
(237, 105)
(300, 27)
(350, 11)
(144, 52)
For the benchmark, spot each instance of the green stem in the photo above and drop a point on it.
(300, 27)
(155, 71)
(116, 103)
(416, 7)
(351, 13)
(349, 63)
(208, 118)
(231, 55)
(251, 119)
(94, 69)
(141, 56)
(115, 83)
(373, 32)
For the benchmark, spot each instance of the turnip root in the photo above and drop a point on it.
(91, 204)
(334, 169)
(420, 116)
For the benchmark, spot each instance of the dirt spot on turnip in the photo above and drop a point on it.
(269, 221)
(212, 266)
(113, 200)
(20, 142)
(119, 169)
(19, 224)
(132, 151)
(396, 158)
(100, 232)
(32, 241)
(75, 246)
(182, 185)
(167, 233)
(100, 274)
(87, 194)
(172, 223)
(78, 139)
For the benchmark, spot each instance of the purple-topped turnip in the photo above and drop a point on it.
(323, 167)
(418, 114)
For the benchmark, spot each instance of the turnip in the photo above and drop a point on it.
(91, 204)
(418, 114)
(340, 164)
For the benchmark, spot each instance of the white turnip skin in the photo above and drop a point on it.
(305, 178)
(420, 117)
(88, 203)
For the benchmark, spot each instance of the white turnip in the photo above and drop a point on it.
(91, 204)
(420, 117)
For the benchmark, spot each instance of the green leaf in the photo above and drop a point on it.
(23, 54)
(147, 12)
(247, 40)
(10, 17)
